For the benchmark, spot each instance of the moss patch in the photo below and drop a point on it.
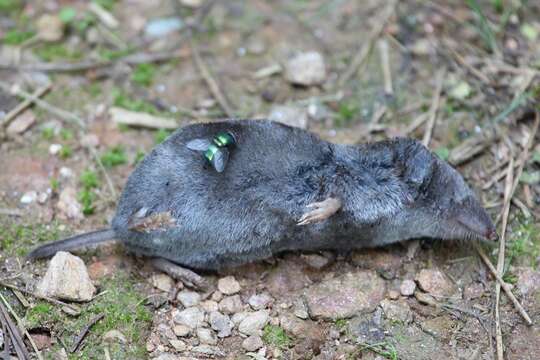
(18, 239)
(276, 336)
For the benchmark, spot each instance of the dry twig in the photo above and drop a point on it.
(84, 332)
(434, 107)
(23, 105)
(385, 64)
(363, 52)
(210, 81)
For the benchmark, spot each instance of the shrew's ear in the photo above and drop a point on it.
(420, 164)
(199, 144)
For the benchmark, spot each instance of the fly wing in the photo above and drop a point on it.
(199, 144)
(220, 159)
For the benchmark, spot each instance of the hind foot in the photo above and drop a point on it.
(188, 277)
(321, 211)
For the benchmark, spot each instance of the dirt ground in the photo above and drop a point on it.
(461, 76)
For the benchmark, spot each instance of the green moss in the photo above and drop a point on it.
(144, 74)
(89, 181)
(108, 55)
(66, 151)
(47, 133)
(276, 336)
(161, 135)
(341, 324)
(347, 112)
(123, 100)
(139, 156)
(385, 349)
(8, 6)
(114, 157)
(52, 52)
(17, 37)
(523, 246)
(106, 4)
(67, 14)
(122, 306)
(17, 239)
(66, 134)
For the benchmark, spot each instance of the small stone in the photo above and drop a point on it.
(21, 123)
(68, 205)
(178, 345)
(206, 336)
(114, 336)
(208, 350)
(28, 197)
(231, 304)
(162, 282)
(66, 172)
(252, 343)
(528, 280)
(228, 285)
(55, 149)
(238, 317)
(407, 287)
(259, 301)
(209, 306)
(306, 69)
(42, 198)
(166, 356)
(393, 294)
(345, 296)
(188, 298)
(217, 296)
(435, 282)
(221, 323)
(397, 311)
(166, 331)
(289, 115)
(192, 317)
(254, 322)
(1, 338)
(384, 262)
(300, 309)
(191, 3)
(50, 28)
(181, 330)
(66, 278)
(315, 261)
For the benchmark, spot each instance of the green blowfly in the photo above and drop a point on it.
(216, 151)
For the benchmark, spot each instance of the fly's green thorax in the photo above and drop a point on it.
(210, 152)
(223, 139)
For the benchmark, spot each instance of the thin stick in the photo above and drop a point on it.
(385, 64)
(434, 107)
(23, 105)
(480, 75)
(363, 52)
(84, 332)
(210, 81)
(13, 334)
(21, 326)
(500, 260)
(504, 285)
(46, 298)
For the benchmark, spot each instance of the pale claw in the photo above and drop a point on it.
(321, 211)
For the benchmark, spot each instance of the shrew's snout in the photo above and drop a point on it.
(475, 220)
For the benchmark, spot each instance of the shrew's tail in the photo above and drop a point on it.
(74, 242)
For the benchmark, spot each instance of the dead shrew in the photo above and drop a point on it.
(282, 188)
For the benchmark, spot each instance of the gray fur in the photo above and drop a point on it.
(391, 191)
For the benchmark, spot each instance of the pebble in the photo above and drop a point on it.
(306, 69)
(192, 317)
(345, 296)
(397, 310)
(54, 149)
(28, 197)
(208, 350)
(252, 343)
(528, 280)
(68, 205)
(231, 304)
(221, 323)
(393, 294)
(188, 298)
(66, 278)
(161, 27)
(49, 28)
(407, 287)
(162, 282)
(206, 336)
(42, 198)
(191, 3)
(300, 309)
(238, 317)
(209, 306)
(315, 261)
(181, 330)
(66, 172)
(259, 301)
(21, 123)
(178, 345)
(228, 285)
(435, 282)
(289, 115)
(90, 140)
(217, 296)
(113, 336)
(253, 322)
